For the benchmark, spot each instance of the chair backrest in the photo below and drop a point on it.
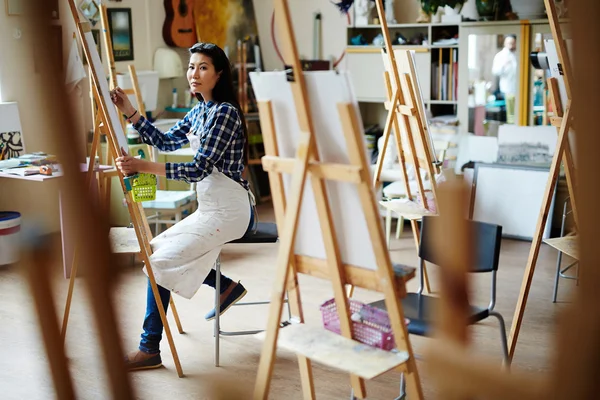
(487, 239)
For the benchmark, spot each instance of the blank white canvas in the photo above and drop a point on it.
(9, 117)
(96, 64)
(326, 89)
(511, 197)
(405, 63)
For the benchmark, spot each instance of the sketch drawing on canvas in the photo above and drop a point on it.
(10, 130)
(526, 145)
(14, 143)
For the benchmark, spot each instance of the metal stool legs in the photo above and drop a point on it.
(561, 273)
(217, 325)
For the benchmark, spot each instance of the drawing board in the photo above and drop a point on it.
(326, 89)
(511, 196)
(405, 62)
(96, 65)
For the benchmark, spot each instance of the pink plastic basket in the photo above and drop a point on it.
(373, 330)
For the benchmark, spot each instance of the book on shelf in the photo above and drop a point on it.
(444, 75)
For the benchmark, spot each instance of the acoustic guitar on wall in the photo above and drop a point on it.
(179, 29)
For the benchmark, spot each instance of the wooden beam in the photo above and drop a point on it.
(337, 172)
(356, 276)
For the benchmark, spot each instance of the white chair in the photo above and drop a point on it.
(170, 207)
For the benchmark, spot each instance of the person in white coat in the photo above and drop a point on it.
(504, 67)
(184, 255)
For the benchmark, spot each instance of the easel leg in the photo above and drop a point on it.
(416, 235)
(539, 232)
(176, 315)
(292, 213)
(290, 280)
(36, 271)
(569, 166)
(137, 214)
(70, 293)
(295, 306)
(75, 261)
(384, 271)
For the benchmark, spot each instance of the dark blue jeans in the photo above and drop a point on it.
(153, 326)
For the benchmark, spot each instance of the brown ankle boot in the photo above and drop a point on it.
(138, 360)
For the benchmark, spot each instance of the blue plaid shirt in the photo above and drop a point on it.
(221, 142)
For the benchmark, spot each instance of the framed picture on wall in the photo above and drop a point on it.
(121, 33)
(14, 7)
(90, 11)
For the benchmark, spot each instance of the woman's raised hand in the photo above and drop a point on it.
(120, 99)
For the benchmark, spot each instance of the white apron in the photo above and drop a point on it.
(184, 254)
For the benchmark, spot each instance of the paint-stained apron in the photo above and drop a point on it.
(184, 254)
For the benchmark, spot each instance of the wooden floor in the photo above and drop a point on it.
(24, 371)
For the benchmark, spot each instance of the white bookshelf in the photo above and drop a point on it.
(365, 63)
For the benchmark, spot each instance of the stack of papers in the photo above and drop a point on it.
(22, 171)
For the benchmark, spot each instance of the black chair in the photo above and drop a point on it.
(266, 232)
(418, 308)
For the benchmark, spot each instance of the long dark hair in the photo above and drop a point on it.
(223, 90)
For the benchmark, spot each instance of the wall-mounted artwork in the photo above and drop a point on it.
(121, 33)
(225, 22)
(10, 130)
(14, 7)
(90, 10)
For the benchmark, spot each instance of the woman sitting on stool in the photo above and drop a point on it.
(183, 255)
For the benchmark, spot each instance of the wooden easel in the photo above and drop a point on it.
(104, 184)
(139, 221)
(563, 122)
(307, 342)
(406, 114)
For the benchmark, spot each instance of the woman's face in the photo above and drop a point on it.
(202, 75)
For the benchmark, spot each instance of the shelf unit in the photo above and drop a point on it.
(433, 60)
(365, 63)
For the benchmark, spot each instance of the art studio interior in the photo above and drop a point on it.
(298, 199)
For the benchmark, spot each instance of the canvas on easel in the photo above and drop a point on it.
(324, 210)
(356, 241)
(407, 123)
